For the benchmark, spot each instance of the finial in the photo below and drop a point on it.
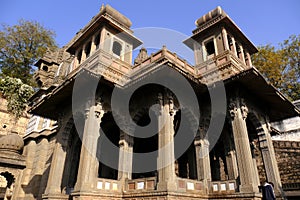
(102, 7)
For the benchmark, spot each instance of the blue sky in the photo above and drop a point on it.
(263, 21)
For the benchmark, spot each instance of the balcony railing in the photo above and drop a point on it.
(108, 185)
(188, 185)
(141, 184)
(229, 186)
(105, 64)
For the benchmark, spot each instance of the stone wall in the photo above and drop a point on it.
(288, 158)
(8, 124)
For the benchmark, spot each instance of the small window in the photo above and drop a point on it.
(117, 48)
(210, 47)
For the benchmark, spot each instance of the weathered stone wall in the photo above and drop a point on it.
(7, 123)
(288, 159)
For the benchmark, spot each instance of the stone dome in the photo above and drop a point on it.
(11, 142)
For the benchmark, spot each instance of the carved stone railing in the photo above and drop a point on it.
(107, 65)
(160, 58)
(221, 67)
(223, 186)
(148, 184)
(188, 185)
(108, 185)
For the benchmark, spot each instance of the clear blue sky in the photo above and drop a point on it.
(263, 21)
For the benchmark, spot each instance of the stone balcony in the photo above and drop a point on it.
(105, 64)
(221, 67)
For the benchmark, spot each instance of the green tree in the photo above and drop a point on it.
(281, 66)
(16, 93)
(21, 46)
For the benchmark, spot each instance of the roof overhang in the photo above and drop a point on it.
(278, 106)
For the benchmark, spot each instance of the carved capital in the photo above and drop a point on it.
(171, 104)
(160, 99)
(99, 110)
(232, 109)
(158, 108)
(244, 109)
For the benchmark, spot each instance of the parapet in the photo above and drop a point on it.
(116, 15)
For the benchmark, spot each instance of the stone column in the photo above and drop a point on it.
(76, 60)
(40, 168)
(233, 46)
(83, 55)
(238, 113)
(198, 53)
(53, 190)
(166, 155)
(242, 57)
(93, 46)
(88, 164)
(29, 152)
(203, 162)
(268, 154)
(204, 53)
(249, 59)
(125, 156)
(225, 39)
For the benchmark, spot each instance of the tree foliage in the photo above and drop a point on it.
(281, 66)
(21, 46)
(16, 93)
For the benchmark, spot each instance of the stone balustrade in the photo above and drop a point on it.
(108, 185)
(223, 186)
(188, 185)
(148, 184)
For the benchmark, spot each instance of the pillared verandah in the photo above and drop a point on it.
(78, 161)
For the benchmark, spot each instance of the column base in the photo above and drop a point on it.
(55, 196)
(248, 189)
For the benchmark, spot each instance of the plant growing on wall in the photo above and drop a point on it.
(16, 93)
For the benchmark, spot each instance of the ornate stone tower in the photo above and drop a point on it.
(109, 33)
(220, 47)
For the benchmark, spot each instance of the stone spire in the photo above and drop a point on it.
(143, 54)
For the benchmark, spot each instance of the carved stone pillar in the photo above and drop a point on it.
(53, 190)
(249, 62)
(93, 46)
(166, 155)
(238, 113)
(83, 55)
(125, 156)
(269, 158)
(88, 164)
(75, 61)
(225, 39)
(233, 46)
(242, 56)
(203, 162)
